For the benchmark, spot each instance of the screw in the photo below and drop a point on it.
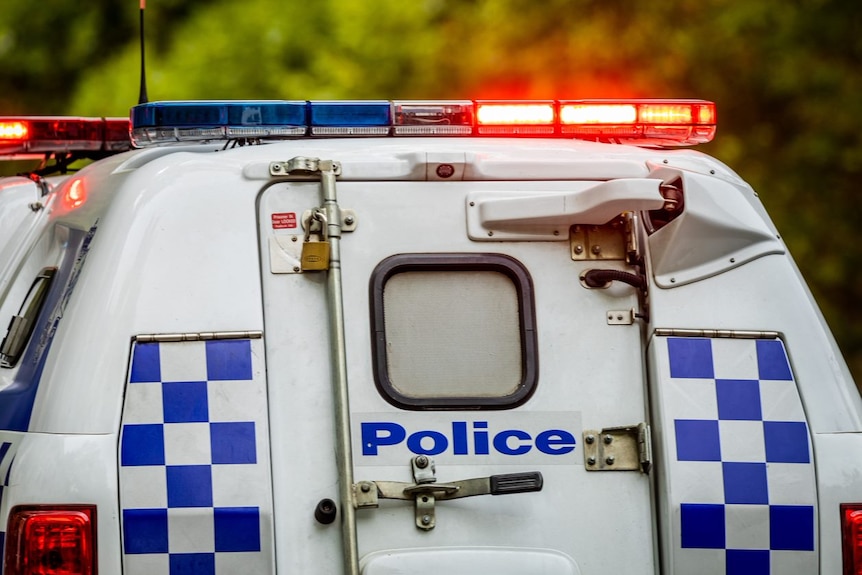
(610, 460)
(620, 317)
(349, 220)
(421, 462)
(293, 238)
(276, 167)
(491, 233)
(556, 232)
(608, 439)
(472, 204)
(579, 249)
(365, 487)
(426, 520)
(296, 269)
(597, 250)
(590, 439)
(591, 461)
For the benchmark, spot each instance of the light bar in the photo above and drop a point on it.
(661, 123)
(25, 135)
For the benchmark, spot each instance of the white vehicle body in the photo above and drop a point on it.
(212, 403)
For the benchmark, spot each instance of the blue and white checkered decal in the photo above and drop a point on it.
(7, 454)
(739, 465)
(195, 485)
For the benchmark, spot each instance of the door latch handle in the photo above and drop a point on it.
(426, 491)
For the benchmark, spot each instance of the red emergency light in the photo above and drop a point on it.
(39, 135)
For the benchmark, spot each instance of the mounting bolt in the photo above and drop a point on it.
(579, 249)
(609, 460)
(597, 249)
(365, 487)
(590, 439)
(276, 167)
(349, 220)
(591, 461)
(421, 462)
(426, 520)
(608, 439)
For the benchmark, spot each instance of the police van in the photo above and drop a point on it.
(419, 337)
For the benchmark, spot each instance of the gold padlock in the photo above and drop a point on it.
(315, 253)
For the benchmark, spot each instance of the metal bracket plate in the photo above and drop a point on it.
(614, 240)
(625, 448)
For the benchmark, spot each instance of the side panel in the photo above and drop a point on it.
(736, 466)
(195, 487)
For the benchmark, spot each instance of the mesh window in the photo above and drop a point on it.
(453, 331)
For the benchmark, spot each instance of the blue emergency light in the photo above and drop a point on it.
(641, 122)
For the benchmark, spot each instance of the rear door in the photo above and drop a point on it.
(469, 353)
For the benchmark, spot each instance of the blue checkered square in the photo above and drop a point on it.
(772, 361)
(791, 527)
(702, 525)
(192, 564)
(786, 441)
(233, 443)
(237, 529)
(190, 486)
(697, 440)
(143, 444)
(185, 401)
(228, 359)
(146, 366)
(745, 483)
(738, 399)
(747, 562)
(690, 358)
(145, 530)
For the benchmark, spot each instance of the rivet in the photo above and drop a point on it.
(349, 220)
(276, 167)
(610, 460)
(591, 461)
(296, 269)
(579, 249)
(426, 520)
(608, 439)
(365, 487)
(590, 439)
(597, 250)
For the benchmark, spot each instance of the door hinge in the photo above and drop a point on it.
(625, 448)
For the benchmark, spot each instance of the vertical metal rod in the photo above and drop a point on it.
(343, 452)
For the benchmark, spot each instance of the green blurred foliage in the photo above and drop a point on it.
(786, 75)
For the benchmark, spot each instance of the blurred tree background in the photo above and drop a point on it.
(786, 75)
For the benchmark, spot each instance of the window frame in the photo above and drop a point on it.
(435, 262)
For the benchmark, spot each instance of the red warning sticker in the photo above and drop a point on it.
(284, 221)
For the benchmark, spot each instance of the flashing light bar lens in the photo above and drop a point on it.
(598, 114)
(433, 118)
(515, 114)
(638, 122)
(372, 118)
(14, 131)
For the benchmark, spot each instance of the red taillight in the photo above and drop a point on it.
(75, 194)
(851, 537)
(51, 540)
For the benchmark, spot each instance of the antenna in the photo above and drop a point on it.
(142, 98)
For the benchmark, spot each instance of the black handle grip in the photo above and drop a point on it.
(516, 483)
